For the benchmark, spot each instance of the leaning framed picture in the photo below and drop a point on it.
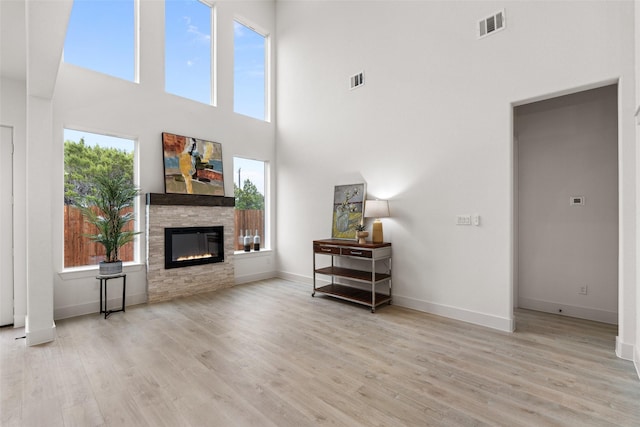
(348, 208)
(192, 165)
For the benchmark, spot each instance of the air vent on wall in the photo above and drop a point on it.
(490, 25)
(356, 80)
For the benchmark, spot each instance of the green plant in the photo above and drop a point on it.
(107, 209)
(360, 227)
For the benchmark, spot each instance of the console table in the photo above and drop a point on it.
(344, 280)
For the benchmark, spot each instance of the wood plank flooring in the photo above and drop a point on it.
(267, 354)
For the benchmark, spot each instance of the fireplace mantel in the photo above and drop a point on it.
(189, 200)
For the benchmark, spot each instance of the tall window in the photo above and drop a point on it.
(249, 185)
(188, 49)
(101, 37)
(87, 155)
(249, 78)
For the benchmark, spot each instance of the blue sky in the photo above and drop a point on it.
(101, 38)
(188, 49)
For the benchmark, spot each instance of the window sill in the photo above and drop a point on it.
(92, 271)
(253, 254)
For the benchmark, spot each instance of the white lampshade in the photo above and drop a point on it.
(376, 209)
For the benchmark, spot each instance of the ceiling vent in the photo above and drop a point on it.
(356, 80)
(490, 25)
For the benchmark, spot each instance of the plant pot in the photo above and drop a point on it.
(362, 236)
(109, 268)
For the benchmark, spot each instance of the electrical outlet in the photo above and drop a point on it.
(463, 220)
(583, 290)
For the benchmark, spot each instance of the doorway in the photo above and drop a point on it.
(6, 226)
(566, 204)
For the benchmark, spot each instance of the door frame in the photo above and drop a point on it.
(7, 290)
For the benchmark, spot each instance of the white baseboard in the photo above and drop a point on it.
(636, 359)
(502, 324)
(625, 351)
(293, 277)
(19, 320)
(477, 318)
(94, 306)
(569, 310)
(248, 278)
(40, 336)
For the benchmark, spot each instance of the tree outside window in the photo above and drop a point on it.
(249, 188)
(87, 155)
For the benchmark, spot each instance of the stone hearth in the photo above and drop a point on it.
(185, 210)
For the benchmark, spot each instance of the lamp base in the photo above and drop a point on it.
(376, 232)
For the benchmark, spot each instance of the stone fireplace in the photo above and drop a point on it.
(213, 216)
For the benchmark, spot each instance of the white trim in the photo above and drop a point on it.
(569, 310)
(40, 336)
(94, 306)
(253, 254)
(481, 319)
(92, 271)
(293, 277)
(248, 278)
(19, 320)
(477, 318)
(636, 359)
(625, 351)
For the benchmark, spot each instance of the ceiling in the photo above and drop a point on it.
(13, 52)
(32, 36)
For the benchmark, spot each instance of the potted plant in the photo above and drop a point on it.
(106, 209)
(361, 233)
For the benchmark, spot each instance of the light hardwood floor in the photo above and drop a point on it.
(267, 354)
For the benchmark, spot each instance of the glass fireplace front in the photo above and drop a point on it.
(187, 246)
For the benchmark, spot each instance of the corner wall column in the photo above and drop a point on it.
(40, 327)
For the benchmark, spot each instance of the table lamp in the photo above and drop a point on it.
(376, 209)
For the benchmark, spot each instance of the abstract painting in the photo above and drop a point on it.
(192, 166)
(348, 207)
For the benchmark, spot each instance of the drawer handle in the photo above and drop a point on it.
(356, 253)
(325, 250)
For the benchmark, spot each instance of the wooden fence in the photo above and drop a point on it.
(79, 250)
(251, 220)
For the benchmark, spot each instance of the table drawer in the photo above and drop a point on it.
(326, 249)
(363, 253)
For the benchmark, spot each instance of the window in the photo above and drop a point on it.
(249, 78)
(101, 37)
(188, 49)
(249, 186)
(85, 156)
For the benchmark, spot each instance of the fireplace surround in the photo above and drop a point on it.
(186, 211)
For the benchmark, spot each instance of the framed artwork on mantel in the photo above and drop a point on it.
(348, 208)
(192, 165)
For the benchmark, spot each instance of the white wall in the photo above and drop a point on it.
(431, 130)
(93, 102)
(568, 146)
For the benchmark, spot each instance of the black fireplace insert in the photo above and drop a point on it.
(187, 246)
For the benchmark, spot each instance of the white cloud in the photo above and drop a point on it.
(238, 29)
(193, 29)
